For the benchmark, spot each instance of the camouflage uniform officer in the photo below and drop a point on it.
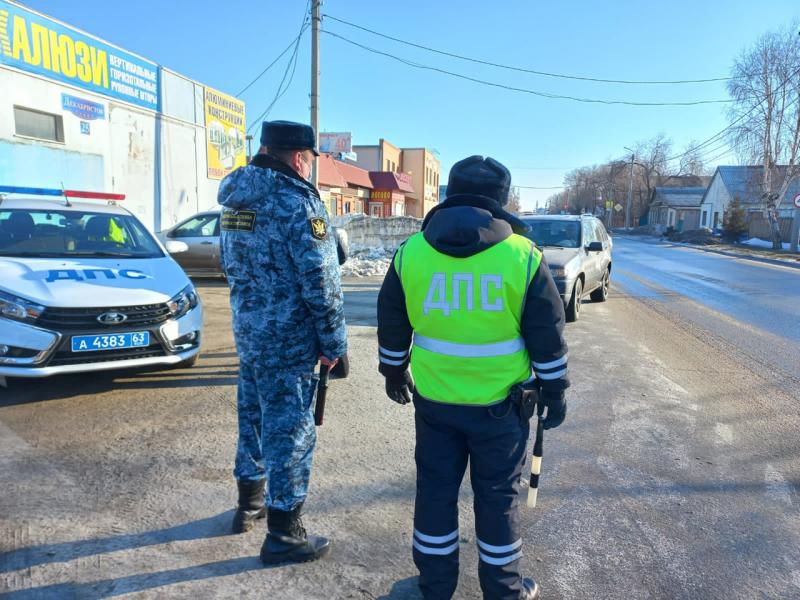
(280, 259)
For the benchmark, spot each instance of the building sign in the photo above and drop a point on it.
(404, 178)
(380, 195)
(37, 44)
(225, 134)
(83, 109)
(334, 143)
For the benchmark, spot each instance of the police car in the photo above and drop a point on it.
(85, 287)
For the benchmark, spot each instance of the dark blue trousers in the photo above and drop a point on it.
(492, 440)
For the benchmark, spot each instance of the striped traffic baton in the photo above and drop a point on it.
(536, 463)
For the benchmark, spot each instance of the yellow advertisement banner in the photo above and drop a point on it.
(225, 133)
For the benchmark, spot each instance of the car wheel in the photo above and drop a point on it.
(601, 293)
(574, 306)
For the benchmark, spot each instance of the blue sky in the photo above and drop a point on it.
(226, 44)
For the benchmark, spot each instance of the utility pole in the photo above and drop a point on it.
(630, 193)
(315, 21)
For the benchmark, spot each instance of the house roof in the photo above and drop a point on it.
(329, 175)
(747, 182)
(388, 180)
(678, 197)
(353, 175)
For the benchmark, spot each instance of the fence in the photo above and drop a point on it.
(760, 228)
(372, 232)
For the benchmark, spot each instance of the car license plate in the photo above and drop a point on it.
(112, 341)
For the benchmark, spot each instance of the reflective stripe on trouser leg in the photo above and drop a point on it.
(497, 457)
(288, 435)
(249, 455)
(441, 458)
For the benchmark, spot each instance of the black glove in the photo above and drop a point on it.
(556, 405)
(400, 388)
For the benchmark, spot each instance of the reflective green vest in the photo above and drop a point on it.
(466, 316)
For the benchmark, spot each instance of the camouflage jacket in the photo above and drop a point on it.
(280, 259)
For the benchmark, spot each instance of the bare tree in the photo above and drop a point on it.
(691, 161)
(652, 156)
(765, 88)
(513, 205)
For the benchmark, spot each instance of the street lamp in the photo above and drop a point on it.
(630, 192)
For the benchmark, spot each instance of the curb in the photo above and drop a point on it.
(771, 261)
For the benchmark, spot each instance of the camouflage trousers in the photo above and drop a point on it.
(276, 432)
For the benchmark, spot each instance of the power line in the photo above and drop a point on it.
(517, 89)
(736, 121)
(272, 64)
(536, 187)
(291, 64)
(520, 69)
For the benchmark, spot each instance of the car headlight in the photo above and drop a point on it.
(19, 309)
(183, 302)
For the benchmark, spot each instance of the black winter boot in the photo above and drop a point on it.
(530, 590)
(251, 505)
(287, 540)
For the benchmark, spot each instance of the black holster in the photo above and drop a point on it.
(525, 399)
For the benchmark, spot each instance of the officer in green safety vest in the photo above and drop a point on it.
(470, 306)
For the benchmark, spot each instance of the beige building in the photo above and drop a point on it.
(422, 165)
(383, 157)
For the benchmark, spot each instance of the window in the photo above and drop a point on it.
(199, 226)
(37, 124)
(588, 233)
(704, 219)
(600, 232)
(564, 234)
(41, 233)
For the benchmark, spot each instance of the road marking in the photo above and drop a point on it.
(777, 488)
(724, 432)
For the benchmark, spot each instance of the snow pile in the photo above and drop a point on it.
(759, 243)
(367, 262)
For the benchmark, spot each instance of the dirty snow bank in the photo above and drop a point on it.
(367, 262)
(759, 243)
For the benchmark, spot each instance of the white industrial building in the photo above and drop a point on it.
(78, 112)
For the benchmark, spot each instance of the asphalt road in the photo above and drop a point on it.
(674, 476)
(753, 306)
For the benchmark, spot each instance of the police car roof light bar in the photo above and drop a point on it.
(15, 189)
(93, 195)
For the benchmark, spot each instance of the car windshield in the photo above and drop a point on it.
(40, 233)
(565, 234)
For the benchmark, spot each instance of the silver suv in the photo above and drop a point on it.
(578, 251)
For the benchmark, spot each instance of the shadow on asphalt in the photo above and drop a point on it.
(20, 390)
(405, 589)
(25, 558)
(108, 588)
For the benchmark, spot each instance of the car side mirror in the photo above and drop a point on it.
(595, 247)
(176, 247)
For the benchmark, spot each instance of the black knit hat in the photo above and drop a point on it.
(478, 176)
(288, 135)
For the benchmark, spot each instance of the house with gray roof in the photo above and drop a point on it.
(677, 207)
(745, 183)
